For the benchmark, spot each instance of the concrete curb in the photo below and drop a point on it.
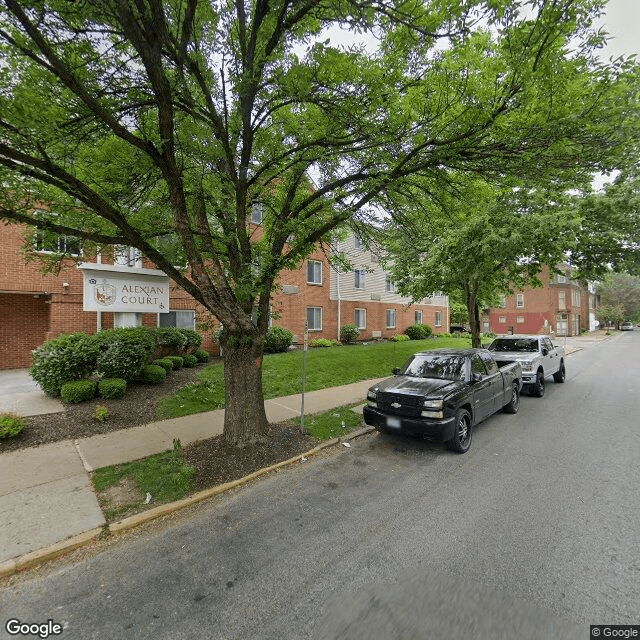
(9, 567)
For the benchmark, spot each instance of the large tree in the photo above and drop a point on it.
(160, 123)
(476, 242)
(622, 291)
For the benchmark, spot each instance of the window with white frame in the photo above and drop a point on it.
(520, 319)
(391, 318)
(438, 321)
(502, 319)
(47, 242)
(520, 300)
(357, 242)
(314, 272)
(314, 318)
(562, 302)
(182, 319)
(359, 278)
(561, 279)
(576, 298)
(361, 318)
(389, 286)
(418, 317)
(257, 212)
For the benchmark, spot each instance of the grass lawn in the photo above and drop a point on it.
(282, 372)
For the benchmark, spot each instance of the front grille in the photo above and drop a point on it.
(410, 406)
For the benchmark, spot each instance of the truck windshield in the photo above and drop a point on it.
(443, 367)
(514, 344)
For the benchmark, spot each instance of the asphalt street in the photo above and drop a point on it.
(531, 534)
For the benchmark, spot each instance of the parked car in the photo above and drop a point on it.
(442, 394)
(626, 326)
(537, 356)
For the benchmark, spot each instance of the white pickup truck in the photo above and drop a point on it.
(537, 356)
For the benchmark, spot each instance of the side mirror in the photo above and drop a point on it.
(545, 351)
(476, 377)
(395, 371)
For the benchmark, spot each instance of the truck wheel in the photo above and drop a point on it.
(461, 440)
(538, 387)
(514, 404)
(560, 374)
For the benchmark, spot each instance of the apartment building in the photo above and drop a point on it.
(561, 307)
(35, 307)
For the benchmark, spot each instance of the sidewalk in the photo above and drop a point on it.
(46, 495)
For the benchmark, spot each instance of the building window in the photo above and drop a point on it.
(503, 302)
(257, 211)
(520, 300)
(359, 278)
(485, 326)
(575, 298)
(502, 319)
(520, 319)
(361, 318)
(314, 272)
(181, 319)
(389, 286)
(561, 279)
(438, 322)
(357, 242)
(47, 242)
(391, 318)
(562, 303)
(418, 317)
(314, 318)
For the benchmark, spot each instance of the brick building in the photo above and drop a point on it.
(561, 307)
(36, 307)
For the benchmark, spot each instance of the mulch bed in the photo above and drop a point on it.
(215, 461)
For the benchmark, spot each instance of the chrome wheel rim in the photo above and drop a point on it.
(515, 398)
(464, 431)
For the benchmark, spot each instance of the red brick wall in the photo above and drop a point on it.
(23, 326)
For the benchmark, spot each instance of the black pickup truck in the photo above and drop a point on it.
(441, 394)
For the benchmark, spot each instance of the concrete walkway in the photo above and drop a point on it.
(45, 492)
(46, 495)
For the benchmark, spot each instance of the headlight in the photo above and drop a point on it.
(526, 366)
(434, 405)
(432, 414)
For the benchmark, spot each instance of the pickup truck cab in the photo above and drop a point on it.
(441, 394)
(537, 356)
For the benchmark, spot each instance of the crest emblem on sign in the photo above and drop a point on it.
(105, 294)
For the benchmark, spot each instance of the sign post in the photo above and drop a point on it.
(304, 374)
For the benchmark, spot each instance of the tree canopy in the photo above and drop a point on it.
(161, 124)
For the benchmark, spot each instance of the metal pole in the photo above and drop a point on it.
(304, 374)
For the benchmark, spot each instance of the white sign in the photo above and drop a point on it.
(111, 287)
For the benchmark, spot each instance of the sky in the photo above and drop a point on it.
(622, 22)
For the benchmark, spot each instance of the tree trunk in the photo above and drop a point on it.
(245, 420)
(474, 316)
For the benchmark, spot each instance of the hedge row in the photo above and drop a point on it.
(113, 353)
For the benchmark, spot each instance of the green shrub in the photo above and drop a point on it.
(112, 388)
(122, 360)
(202, 355)
(176, 361)
(443, 335)
(171, 337)
(190, 360)
(322, 342)
(216, 335)
(349, 333)
(153, 374)
(78, 391)
(400, 337)
(63, 359)
(165, 363)
(142, 338)
(277, 340)
(418, 331)
(193, 338)
(11, 424)
(489, 334)
(101, 414)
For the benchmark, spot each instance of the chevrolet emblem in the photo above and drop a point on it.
(396, 405)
